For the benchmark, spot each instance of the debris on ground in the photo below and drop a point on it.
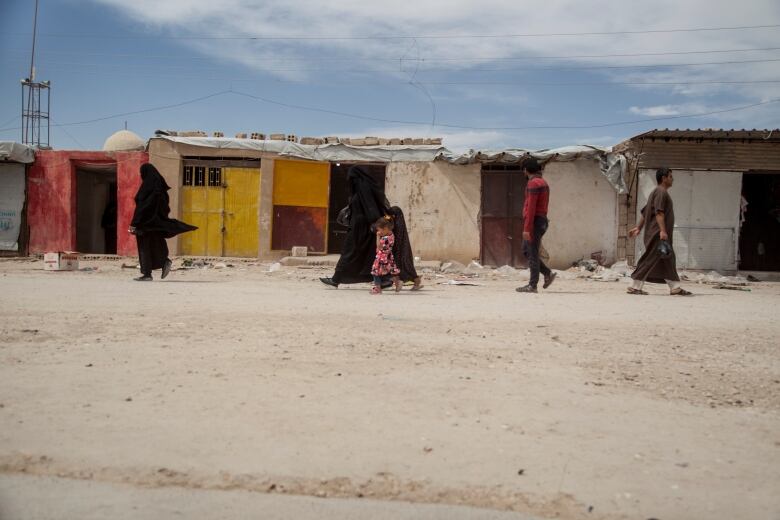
(274, 267)
(586, 264)
(474, 267)
(459, 282)
(452, 266)
(621, 267)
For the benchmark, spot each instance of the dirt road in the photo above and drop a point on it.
(579, 402)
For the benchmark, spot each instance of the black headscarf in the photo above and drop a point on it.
(152, 206)
(366, 197)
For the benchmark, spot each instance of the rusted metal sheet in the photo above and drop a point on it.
(708, 154)
(299, 226)
(503, 194)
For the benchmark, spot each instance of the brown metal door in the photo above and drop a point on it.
(503, 194)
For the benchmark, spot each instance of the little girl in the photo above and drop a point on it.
(384, 263)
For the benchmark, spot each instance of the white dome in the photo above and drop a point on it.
(123, 141)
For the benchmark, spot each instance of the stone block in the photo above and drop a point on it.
(241, 135)
(278, 137)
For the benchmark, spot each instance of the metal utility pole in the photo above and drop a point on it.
(34, 111)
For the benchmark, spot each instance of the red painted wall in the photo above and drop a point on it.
(51, 197)
(128, 180)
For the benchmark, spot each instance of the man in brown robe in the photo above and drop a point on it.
(658, 223)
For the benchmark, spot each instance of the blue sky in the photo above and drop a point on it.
(485, 74)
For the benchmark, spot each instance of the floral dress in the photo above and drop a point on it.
(384, 263)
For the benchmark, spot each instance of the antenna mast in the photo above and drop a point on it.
(33, 112)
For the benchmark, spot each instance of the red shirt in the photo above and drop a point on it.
(537, 195)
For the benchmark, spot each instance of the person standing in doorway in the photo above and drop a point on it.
(537, 197)
(151, 224)
(658, 263)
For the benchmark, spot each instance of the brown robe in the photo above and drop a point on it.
(651, 267)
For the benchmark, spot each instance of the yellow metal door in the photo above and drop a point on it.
(300, 198)
(202, 206)
(242, 193)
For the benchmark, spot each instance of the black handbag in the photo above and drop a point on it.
(344, 216)
(664, 249)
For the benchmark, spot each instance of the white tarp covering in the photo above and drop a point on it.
(16, 152)
(11, 204)
(613, 165)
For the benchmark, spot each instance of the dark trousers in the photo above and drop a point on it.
(152, 252)
(381, 281)
(531, 250)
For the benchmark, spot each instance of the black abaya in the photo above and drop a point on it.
(152, 206)
(151, 222)
(367, 203)
(402, 248)
(152, 252)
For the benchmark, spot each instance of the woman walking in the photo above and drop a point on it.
(151, 224)
(367, 203)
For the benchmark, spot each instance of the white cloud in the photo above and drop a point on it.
(297, 59)
(657, 111)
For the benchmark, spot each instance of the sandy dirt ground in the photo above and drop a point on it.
(579, 402)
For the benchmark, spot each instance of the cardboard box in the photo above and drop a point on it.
(299, 251)
(61, 261)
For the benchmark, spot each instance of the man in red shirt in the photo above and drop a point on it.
(537, 196)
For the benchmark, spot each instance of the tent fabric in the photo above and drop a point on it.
(16, 152)
(613, 165)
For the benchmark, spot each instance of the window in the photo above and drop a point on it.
(200, 176)
(187, 176)
(215, 176)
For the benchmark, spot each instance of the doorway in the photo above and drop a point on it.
(759, 239)
(221, 198)
(339, 197)
(96, 209)
(503, 195)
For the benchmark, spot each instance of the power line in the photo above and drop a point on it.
(465, 127)
(411, 37)
(599, 83)
(429, 69)
(435, 58)
(199, 74)
(415, 123)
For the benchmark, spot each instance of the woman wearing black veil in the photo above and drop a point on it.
(402, 249)
(151, 224)
(367, 203)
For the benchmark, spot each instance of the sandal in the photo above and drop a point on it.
(376, 290)
(417, 284)
(631, 290)
(398, 284)
(681, 292)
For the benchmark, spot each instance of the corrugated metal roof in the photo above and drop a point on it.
(711, 133)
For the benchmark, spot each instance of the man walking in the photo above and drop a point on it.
(657, 264)
(537, 196)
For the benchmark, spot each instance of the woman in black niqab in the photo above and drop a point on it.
(151, 224)
(367, 202)
(402, 249)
